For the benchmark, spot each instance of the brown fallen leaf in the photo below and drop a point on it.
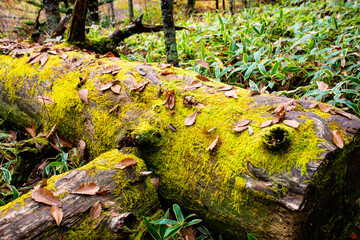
(63, 56)
(291, 123)
(108, 54)
(213, 144)
(170, 98)
(250, 130)
(35, 60)
(172, 112)
(60, 139)
(103, 192)
(160, 92)
(31, 130)
(44, 59)
(240, 128)
(95, 212)
(45, 100)
(166, 73)
(106, 86)
(202, 63)
(190, 120)
(57, 214)
(225, 88)
(31, 58)
(325, 108)
(345, 114)
(313, 105)
(51, 131)
(138, 87)
(83, 95)
(189, 101)
(279, 114)
(202, 77)
(89, 188)
(232, 93)
(337, 138)
(45, 196)
(266, 123)
(289, 106)
(43, 183)
(254, 93)
(193, 86)
(164, 65)
(242, 122)
(81, 148)
(113, 69)
(322, 86)
(116, 88)
(126, 162)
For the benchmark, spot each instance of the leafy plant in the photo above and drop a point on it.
(60, 165)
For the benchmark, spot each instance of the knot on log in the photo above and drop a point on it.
(117, 224)
(277, 139)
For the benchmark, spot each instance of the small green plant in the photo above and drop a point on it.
(61, 164)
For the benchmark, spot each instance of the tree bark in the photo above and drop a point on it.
(52, 14)
(29, 219)
(217, 4)
(190, 7)
(240, 183)
(231, 7)
(94, 11)
(169, 32)
(112, 12)
(224, 8)
(131, 10)
(61, 28)
(77, 26)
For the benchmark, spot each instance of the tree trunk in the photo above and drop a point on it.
(217, 4)
(231, 7)
(112, 12)
(223, 2)
(77, 26)
(190, 7)
(25, 218)
(94, 11)
(61, 28)
(52, 14)
(169, 32)
(276, 182)
(131, 10)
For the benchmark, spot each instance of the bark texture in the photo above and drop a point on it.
(52, 14)
(169, 32)
(231, 7)
(131, 10)
(240, 185)
(77, 26)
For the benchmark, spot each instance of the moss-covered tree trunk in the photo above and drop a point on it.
(169, 32)
(52, 14)
(276, 182)
(77, 26)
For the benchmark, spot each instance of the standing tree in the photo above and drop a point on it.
(217, 5)
(231, 6)
(224, 5)
(190, 7)
(52, 14)
(131, 11)
(77, 26)
(169, 31)
(94, 11)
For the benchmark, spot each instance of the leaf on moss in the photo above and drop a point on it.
(166, 73)
(160, 92)
(81, 148)
(345, 114)
(31, 130)
(45, 196)
(114, 109)
(337, 138)
(202, 77)
(240, 129)
(202, 63)
(164, 65)
(126, 162)
(291, 123)
(108, 54)
(89, 188)
(106, 86)
(190, 101)
(113, 69)
(45, 100)
(266, 123)
(170, 98)
(95, 212)
(322, 86)
(83, 95)
(313, 105)
(172, 127)
(232, 93)
(250, 130)
(225, 88)
(279, 114)
(242, 122)
(34, 59)
(213, 144)
(138, 87)
(63, 56)
(193, 86)
(325, 108)
(44, 59)
(57, 214)
(172, 112)
(103, 192)
(51, 131)
(116, 88)
(190, 120)
(254, 93)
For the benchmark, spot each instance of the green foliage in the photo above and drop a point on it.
(284, 48)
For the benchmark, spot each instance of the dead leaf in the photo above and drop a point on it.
(114, 109)
(202, 77)
(89, 188)
(172, 127)
(43, 183)
(95, 212)
(57, 214)
(172, 112)
(138, 87)
(108, 54)
(190, 120)
(232, 93)
(266, 123)
(160, 92)
(45, 196)
(103, 192)
(193, 86)
(239, 128)
(126, 162)
(164, 65)
(210, 130)
(213, 144)
(313, 105)
(31, 130)
(322, 86)
(190, 101)
(83, 95)
(116, 88)
(51, 131)
(242, 122)
(254, 93)
(324, 108)
(337, 138)
(250, 130)
(81, 148)
(345, 114)
(45, 100)
(44, 59)
(59, 138)
(106, 86)
(170, 98)
(113, 69)
(202, 63)
(225, 88)
(166, 73)
(279, 114)
(63, 56)
(291, 123)
(31, 58)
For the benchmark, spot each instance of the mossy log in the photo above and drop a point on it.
(130, 197)
(298, 192)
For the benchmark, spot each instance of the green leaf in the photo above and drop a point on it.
(152, 230)
(2, 203)
(178, 214)
(250, 70)
(256, 29)
(171, 231)
(245, 58)
(257, 56)
(328, 72)
(192, 222)
(353, 106)
(251, 237)
(253, 86)
(165, 221)
(262, 69)
(275, 68)
(15, 192)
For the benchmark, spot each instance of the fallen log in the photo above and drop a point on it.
(275, 179)
(130, 196)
